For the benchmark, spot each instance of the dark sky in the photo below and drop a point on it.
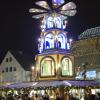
(18, 31)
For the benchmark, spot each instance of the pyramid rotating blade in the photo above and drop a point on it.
(38, 16)
(43, 4)
(68, 12)
(68, 6)
(35, 10)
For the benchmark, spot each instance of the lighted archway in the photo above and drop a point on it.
(66, 68)
(49, 41)
(47, 67)
(58, 22)
(50, 22)
(61, 44)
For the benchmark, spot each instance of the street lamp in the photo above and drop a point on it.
(70, 41)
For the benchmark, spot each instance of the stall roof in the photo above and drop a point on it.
(45, 84)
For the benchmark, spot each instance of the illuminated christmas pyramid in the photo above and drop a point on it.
(54, 62)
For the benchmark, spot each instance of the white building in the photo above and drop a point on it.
(14, 68)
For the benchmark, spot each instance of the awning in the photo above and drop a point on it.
(22, 85)
(84, 83)
(51, 84)
(62, 83)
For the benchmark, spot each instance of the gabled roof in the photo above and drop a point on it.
(25, 60)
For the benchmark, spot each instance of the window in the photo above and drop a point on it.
(61, 41)
(50, 22)
(6, 59)
(66, 67)
(10, 69)
(14, 68)
(6, 69)
(10, 59)
(47, 67)
(49, 41)
(58, 22)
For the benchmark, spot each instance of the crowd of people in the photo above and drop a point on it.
(26, 96)
(46, 96)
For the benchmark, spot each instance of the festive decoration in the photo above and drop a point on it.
(55, 18)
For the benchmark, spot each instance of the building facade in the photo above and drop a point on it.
(87, 50)
(14, 68)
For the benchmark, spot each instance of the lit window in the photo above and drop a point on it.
(66, 67)
(61, 41)
(50, 22)
(57, 22)
(49, 41)
(47, 67)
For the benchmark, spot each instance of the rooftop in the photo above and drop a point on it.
(92, 32)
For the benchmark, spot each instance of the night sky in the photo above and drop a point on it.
(18, 31)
